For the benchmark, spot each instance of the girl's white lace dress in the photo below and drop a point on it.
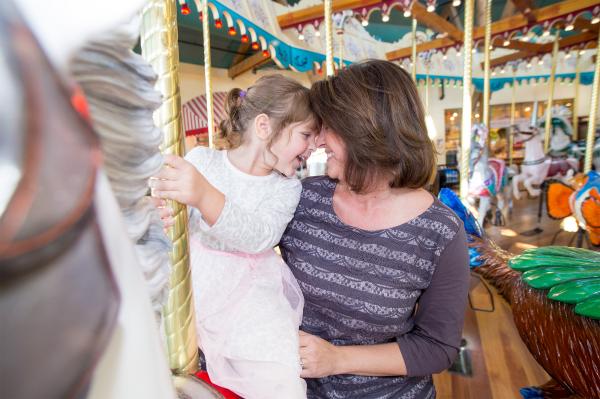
(248, 305)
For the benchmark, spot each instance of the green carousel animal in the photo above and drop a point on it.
(554, 293)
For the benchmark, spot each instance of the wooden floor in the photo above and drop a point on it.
(501, 364)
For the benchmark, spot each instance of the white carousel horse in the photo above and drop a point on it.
(131, 361)
(488, 177)
(537, 166)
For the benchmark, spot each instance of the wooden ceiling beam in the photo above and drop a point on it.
(525, 7)
(540, 15)
(544, 48)
(254, 61)
(429, 19)
(435, 22)
(430, 45)
(519, 21)
(304, 15)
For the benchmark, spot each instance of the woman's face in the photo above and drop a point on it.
(336, 153)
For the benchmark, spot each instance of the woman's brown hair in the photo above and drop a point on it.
(283, 99)
(375, 109)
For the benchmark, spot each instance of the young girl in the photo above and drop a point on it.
(248, 304)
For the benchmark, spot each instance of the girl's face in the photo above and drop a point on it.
(336, 153)
(294, 145)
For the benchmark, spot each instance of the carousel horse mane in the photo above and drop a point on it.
(58, 296)
(119, 89)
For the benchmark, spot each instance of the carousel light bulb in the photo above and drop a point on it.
(245, 38)
(300, 36)
(568, 55)
(266, 53)
(491, 48)
(365, 22)
(318, 33)
(546, 33)
(218, 23)
(506, 43)
(541, 61)
(185, 10)
(444, 57)
(477, 116)
(473, 51)
(231, 31)
(456, 3)
(406, 13)
(493, 73)
(431, 8)
(595, 20)
(255, 46)
(385, 18)
(529, 65)
(569, 28)
(458, 54)
(502, 71)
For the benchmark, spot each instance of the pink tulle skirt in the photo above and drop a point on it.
(248, 310)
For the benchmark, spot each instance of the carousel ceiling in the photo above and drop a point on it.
(256, 34)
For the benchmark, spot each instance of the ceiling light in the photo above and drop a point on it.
(595, 20)
(430, 8)
(456, 3)
(365, 22)
(385, 18)
(406, 13)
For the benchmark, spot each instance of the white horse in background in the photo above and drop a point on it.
(537, 166)
(488, 177)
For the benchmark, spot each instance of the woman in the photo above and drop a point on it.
(382, 264)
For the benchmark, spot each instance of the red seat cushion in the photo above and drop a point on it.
(203, 375)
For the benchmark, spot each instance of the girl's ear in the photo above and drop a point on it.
(262, 126)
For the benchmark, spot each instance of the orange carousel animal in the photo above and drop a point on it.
(580, 197)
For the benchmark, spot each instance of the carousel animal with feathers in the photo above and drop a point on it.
(554, 293)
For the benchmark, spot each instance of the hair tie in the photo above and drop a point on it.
(242, 93)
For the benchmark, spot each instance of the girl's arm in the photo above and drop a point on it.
(430, 347)
(244, 231)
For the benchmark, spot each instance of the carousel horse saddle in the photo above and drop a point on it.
(58, 298)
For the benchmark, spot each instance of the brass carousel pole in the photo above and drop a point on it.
(486, 65)
(414, 49)
(576, 99)
(465, 139)
(330, 69)
(159, 48)
(551, 93)
(589, 144)
(207, 75)
(512, 120)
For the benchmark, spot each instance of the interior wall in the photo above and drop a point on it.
(192, 85)
(191, 80)
(525, 93)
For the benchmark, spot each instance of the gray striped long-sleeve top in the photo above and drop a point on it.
(361, 288)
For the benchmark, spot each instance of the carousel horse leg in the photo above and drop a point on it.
(528, 183)
(484, 207)
(515, 185)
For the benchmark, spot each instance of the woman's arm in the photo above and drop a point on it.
(430, 347)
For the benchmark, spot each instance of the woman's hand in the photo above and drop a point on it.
(178, 180)
(318, 357)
